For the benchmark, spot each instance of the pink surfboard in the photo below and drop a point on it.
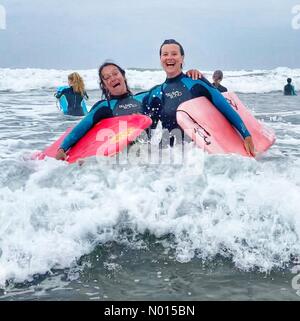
(211, 131)
(107, 138)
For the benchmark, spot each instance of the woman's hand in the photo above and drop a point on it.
(249, 146)
(61, 155)
(194, 74)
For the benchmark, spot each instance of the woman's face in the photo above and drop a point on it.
(113, 80)
(171, 60)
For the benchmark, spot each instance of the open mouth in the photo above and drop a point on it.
(169, 64)
(116, 85)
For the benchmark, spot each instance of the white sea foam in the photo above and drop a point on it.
(239, 208)
(246, 81)
(52, 213)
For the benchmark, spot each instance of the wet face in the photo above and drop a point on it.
(113, 80)
(171, 60)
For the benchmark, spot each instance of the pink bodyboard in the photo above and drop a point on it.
(107, 138)
(211, 131)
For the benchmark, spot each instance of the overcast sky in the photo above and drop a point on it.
(76, 34)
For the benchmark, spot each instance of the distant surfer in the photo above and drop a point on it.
(289, 89)
(217, 78)
(72, 98)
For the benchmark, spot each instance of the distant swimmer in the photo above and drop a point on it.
(217, 78)
(289, 89)
(72, 98)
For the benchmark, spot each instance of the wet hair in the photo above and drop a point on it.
(77, 83)
(171, 42)
(218, 75)
(105, 92)
(289, 80)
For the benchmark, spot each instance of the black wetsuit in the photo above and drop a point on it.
(71, 103)
(221, 88)
(289, 90)
(164, 99)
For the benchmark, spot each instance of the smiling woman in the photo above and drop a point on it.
(112, 80)
(2, 18)
(164, 99)
(171, 59)
(119, 101)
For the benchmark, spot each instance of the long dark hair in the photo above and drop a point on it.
(105, 92)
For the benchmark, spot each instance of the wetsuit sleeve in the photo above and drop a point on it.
(92, 118)
(83, 104)
(84, 109)
(293, 91)
(96, 105)
(58, 94)
(224, 107)
(63, 102)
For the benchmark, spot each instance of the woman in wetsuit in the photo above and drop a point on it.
(163, 100)
(118, 101)
(72, 98)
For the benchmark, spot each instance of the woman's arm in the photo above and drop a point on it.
(85, 125)
(231, 115)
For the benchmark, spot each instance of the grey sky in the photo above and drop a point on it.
(226, 34)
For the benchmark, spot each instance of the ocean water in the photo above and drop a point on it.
(214, 228)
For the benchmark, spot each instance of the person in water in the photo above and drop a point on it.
(72, 98)
(164, 99)
(118, 100)
(217, 78)
(289, 89)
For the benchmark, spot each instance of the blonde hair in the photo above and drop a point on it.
(77, 83)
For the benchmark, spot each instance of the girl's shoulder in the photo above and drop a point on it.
(99, 104)
(140, 95)
(61, 89)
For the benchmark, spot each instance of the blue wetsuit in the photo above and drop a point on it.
(71, 103)
(164, 99)
(126, 104)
